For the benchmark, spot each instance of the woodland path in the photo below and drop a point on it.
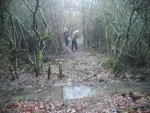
(79, 68)
(82, 67)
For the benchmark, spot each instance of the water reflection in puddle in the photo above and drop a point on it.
(63, 93)
(74, 92)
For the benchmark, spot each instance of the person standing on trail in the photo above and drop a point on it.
(66, 37)
(74, 40)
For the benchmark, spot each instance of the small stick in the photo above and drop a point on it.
(49, 71)
(60, 69)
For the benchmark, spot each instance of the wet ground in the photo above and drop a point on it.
(69, 92)
(84, 80)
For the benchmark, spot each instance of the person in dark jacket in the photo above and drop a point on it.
(66, 37)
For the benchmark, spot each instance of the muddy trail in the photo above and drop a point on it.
(86, 87)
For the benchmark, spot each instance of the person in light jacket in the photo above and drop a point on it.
(74, 40)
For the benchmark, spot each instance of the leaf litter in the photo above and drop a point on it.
(78, 68)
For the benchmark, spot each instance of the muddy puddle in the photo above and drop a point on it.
(81, 91)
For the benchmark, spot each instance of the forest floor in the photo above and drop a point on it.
(86, 87)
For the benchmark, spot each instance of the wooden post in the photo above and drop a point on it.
(49, 71)
(60, 69)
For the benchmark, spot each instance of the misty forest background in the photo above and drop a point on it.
(30, 30)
